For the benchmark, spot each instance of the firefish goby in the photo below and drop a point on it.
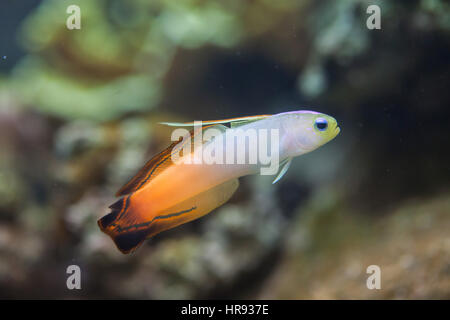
(168, 192)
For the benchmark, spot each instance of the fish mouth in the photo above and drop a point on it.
(336, 130)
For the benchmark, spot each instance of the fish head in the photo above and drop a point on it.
(308, 130)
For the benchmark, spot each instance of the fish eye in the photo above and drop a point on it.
(321, 124)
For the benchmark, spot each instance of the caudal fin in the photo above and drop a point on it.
(127, 239)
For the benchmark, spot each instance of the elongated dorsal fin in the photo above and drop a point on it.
(283, 170)
(159, 163)
(238, 121)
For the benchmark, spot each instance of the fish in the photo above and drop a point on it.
(174, 188)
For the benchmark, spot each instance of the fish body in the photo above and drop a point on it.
(165, 193)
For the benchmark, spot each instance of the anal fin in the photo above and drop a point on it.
(193, 208)
(128, 231)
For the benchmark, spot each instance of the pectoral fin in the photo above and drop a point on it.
(283, 170)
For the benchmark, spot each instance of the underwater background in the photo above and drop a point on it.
(78, 117)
